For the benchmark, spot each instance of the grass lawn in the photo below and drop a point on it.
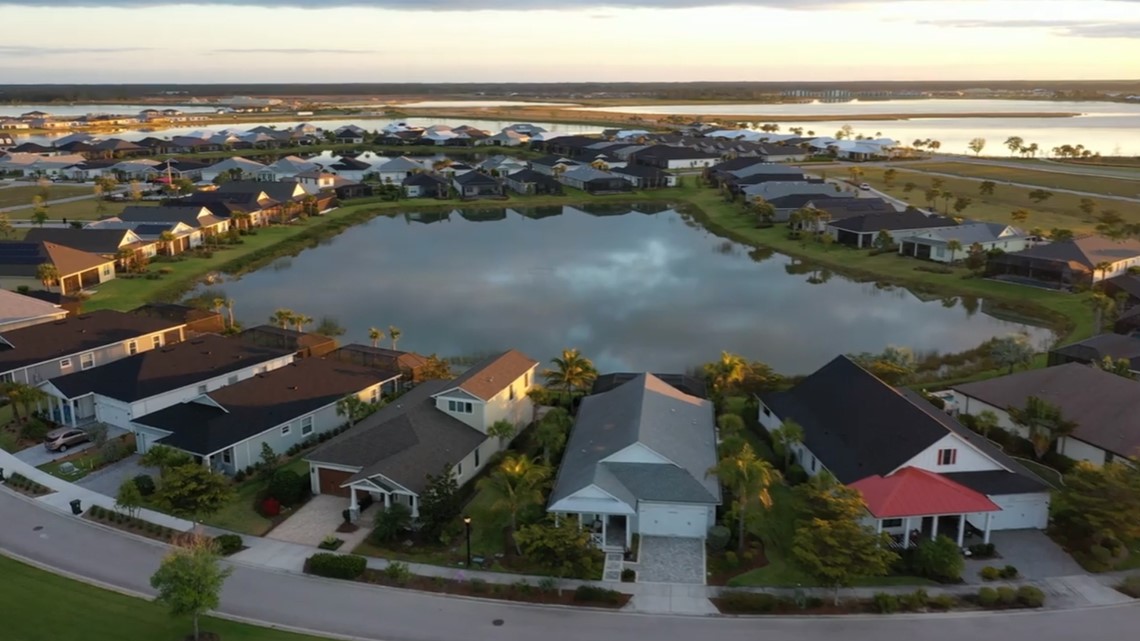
(22, 195)
(85, 462)
(238, 515)
(1028, 176)
(32, 600)
(1060, 211)
(87, 209)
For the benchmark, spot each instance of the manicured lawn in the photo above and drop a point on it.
(239, 515)
(33, 604)
(22, 195)
(1027, 176)
(85, 209)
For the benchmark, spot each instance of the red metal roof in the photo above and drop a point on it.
(915, 492)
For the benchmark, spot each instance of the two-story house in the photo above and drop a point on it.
(436, 424)
(159, 378)
(36, 354)
(921, 472)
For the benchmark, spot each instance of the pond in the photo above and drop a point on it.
(635, 287)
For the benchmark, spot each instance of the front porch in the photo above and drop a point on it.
(366, 492)
(953, 526)
(608, 532)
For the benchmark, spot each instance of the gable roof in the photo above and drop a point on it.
(647, 411)
(585, 174)
(531, 176)
(493, 374)
(891, 221)
(22, 258)
(72, 335)
(474, 178)
(196, 216)
(403, 441)
(245, 409)
(15, 308)
(280, 191)
(972, 232)
(1088, 251)
(668, 152)
(1104, 406)
(1095, 348)
(424, 179)
(916, 492)
(403, 163)
(96, 241)
(166, 368)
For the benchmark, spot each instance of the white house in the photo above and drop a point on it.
(227, 428)
(637, 462)
(155, 379)
(921, 472)
(236, 168)
(933, 244)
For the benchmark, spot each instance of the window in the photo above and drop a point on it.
(228, 456)
(106, 270)
(767, 412)
(132, 348)
(65, 363)
(459, 469)
(947, 457)
(511, 393)
(232, 379)
(87, 361)
(526, 380)
(374, 395)
(459, 407)
(813, 462)
(307, 426)
(476, 457)
(892, 523)
(156, 341)
(286, 428)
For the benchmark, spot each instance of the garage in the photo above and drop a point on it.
(1021, 511)
(673, 519)
(329, 481)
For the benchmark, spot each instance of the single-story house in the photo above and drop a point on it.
(529, 181)
(772, 152)
(773, 189)
(227, 428)
(1128, 322)
(862, 230)
(76, 270)
(553, 165)
(303, 344)
(1104, 406)
(389, 455)
(1093, 351)
(932, 245)
(236, 168)
(1078, 262)
(155, 379)
(199, 218)
(891, 442)
(17, 311)
(785, 205)
(594, 181)
(637, 462)
(409, 364)
(476, 185)
(105, 242)
(196, 321)
(426, 185)
(1124, 287)
(394, 171)
(669, 157)
(645, 177)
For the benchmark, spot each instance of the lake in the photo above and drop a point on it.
(634, 289)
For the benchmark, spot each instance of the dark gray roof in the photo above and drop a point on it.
(96, 241)
(668, 152)
(72, 335)
(650, 412)
(404, 441)
(165, 214)
(1095, 348)
(474, 178)
(165, 369)
(1088, 251)
(1129, 283)
(891, 221)
(281, 191)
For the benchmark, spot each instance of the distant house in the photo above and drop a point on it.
(303, 344)
(529, 181)
(409, 364)
(594, 181)
(200, 219)
(772, 189)
(1078, 262)
(426, 185)
(107, 243)
(396, 170)
(861, 230)
(1093, 351)
(77, 270)
(1126, 285)
(18, 311)
(645, 177)
(477, 185)
(771, 152)
(674, 158)
(233, 169)
(932, 245)
(196, 321)
(552, 165)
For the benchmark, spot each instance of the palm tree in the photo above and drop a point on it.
(48, 274)
(552, 431)
(283, 317)
(300, 320)
(167, 237)
(748, 478)
(219, 304)
(351, 407)
(788, 434)
(375, 335)
(1043, 422)
(1102, 267)
(1019, 216)
(514, 486)
(242, 218)
(571, 372)
(22, 395)
(394, 333)
(954, 246)
(230, 311)
(725, 373)
(1104, 306)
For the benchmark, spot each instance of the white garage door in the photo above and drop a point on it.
(1020, 511)
(669, 519)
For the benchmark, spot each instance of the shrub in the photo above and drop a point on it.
(270, 507)
(522, 586)
(990, 573)
(595, 594)
(943, 602)
(795, 474)
(730, 559)
(748, 602)
(1006, 595)
(982, 551)
(145, 484)
(1130, 586)
(718, 538)
(914, 601)
(987, 597)
(239, 476)
(478, 586)
(549, 584)
(288, 487)
(748, 556)
(391, 522)
(397, 572)
(939, 560)
(629, 575)
(884, 603)
(228, 543)
(1009, 572)
(34, 429)
(336, 566)
(1030, 596)
(1101, 554)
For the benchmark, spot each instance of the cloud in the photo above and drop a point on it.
(1072, 28)
(29, 50)
(295, 50)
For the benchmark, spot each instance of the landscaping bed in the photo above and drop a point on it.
(1002, 598)
(26, 486)
(132, 524)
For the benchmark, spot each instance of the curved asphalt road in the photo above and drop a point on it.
(343, 608)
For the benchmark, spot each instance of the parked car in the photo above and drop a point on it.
(61, 439)
(865, 187)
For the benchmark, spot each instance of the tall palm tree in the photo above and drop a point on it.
(375, 335)
(726, 373)
(571, 372)
(749, 478)
(22, 395)
(230, 311)
(282, 317)
(514, 486)
(218, 304)
(1102, 267)
(167, 237)
(552, 432)
(300, 320)
(954, 246)
(394, 333)
(788, 434)
(1043, 422)
(48, 274)
(242, 218)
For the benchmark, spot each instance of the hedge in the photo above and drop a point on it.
(336, 566)
(595, 594)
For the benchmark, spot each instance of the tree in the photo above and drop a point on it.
(961, 203)
(22, 395)
(300, 321)
(931, 195)
(953, 246)
(218, 304)
(729, 425)
(1061, 235)
(1043, 421)
(394, 333)
(352, 409)
(571, 372)
(329, 326)
(764, 210)
(1019, 216)
(1098, 502)
(193, 491)
(835, 553)
(552, 432)
(1040, 195)
(1087, 207)
(976, 145)
(515, 485)
(165, 458)
(893, 365)
(435, 369)
(985, 421)
(1104, 307)
(1014, 143)
(748, 478)
(939, 559)
(129, 499)
(47, 274)
(503, 430)
(909, 187)
(986, 187)
(439, 503)
(282, 317)
(167, 238)
(889, 177)
(1120, 366)
(1102, 268)
(390, 522)
(375, 335)
(883, 240)
(189, 581)
(561, 547)
(725, 374)
(230, 312)
(785, 437)
(976, 258)
(1011, 351)
(6, 229)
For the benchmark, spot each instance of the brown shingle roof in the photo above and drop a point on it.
(39, 343)
(71, 261)
(492, 375)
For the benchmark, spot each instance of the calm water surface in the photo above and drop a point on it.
(634, 290)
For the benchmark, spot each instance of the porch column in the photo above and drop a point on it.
(557, 518)
(206, 462)
(934, 528)
(986, 536)
(878, 526)
(961, 529)
(605, 522)
(352, 501)
(387, 500)
(906, 532)
(579, 520)
(74, 412)
(59, 406)
(628, 533)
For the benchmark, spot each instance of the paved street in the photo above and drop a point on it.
(369, 612)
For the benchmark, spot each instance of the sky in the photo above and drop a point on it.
(145, 41)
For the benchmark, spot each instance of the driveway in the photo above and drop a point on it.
(1033, 553)
(667, 559)
(107, 480)
(317, 519)
(38, 455)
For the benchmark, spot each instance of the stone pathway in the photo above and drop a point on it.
(613, 567)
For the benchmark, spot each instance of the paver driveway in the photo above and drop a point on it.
(666, 559)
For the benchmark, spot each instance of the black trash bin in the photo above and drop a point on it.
(76, 507)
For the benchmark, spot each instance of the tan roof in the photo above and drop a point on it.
(17, 307)
(492, 375)
(71, 261)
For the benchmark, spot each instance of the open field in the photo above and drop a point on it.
(41, 606)
(1060, 211)
(1052, 179)
(22, 195)
(80, 210)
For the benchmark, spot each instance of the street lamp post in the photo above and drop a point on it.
(467, 526)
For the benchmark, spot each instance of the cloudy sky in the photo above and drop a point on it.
(567, 40)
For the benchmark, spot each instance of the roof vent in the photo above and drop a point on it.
(293, 387)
